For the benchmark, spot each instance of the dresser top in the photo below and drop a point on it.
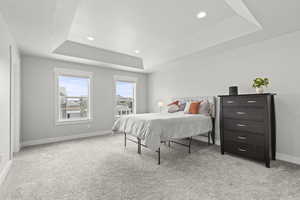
(263, 94)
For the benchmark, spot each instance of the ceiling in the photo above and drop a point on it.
(161, 31)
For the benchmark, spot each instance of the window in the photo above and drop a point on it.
(73, 96)
(125, 96)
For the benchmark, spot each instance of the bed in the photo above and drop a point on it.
(152, 129)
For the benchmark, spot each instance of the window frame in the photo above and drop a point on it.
(72, 73)
(129, 80)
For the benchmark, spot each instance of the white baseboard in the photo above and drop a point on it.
(17, 148)
(279, 156)
(63, 138)
(288, 158)
(4, 172)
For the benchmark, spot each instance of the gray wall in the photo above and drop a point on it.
(5, 41)
(277, 58)
(38, 107)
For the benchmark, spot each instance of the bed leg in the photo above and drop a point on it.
(139, 145)
(208, 137)
(214, 137)
(158, 153)
(213, 133)
(169, 143)
(190, 142)
(125, 142)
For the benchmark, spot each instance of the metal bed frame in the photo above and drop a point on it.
(210, 135)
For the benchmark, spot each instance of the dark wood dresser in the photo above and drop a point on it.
(247, 126)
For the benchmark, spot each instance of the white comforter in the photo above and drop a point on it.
(156, 127)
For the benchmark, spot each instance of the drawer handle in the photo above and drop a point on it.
(240, 113)
(242, 150)
(241, 125)
(242, 137)
(251, 101)
(230, 102)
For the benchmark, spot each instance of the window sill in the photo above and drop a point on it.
(119, 116)
(76, 121)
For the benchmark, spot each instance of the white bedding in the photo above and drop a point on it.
(156, 127)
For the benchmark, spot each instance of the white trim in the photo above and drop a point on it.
(73, 73)
(4, 172)
(74, 121)
(288, 158)
(64, 138)
(279, 156)
(125, 78)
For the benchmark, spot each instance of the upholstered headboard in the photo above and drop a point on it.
(210, 99)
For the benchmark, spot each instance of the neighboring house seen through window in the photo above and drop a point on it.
(125, 97)
(73, 98)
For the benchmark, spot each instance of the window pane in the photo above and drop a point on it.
(73, 97)
(125, 97)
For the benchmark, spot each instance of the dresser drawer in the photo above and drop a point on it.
(244, 101)
(244, 113)
(244, 126)
(246, 150)
(243, 137)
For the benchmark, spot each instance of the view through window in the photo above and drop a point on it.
(125, 94)
(73, 98)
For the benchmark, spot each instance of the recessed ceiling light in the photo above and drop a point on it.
(90, 38)
(201, 15)
(137, 51)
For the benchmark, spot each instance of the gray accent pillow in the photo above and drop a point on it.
(182, 106)
(173, 108)
(204, 108)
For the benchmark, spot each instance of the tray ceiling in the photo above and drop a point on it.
(161, 31)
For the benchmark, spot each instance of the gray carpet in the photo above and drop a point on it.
(100, 168)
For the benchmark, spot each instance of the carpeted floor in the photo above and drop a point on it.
(100, 168)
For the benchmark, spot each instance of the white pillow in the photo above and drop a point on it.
(187, 108)
(204, 108)
(173, 108)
